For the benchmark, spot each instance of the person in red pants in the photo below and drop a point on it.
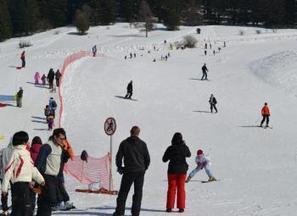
(176, 154)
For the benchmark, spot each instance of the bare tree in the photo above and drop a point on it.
(146, 16)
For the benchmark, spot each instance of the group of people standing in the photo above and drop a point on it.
(133, 159)
(31, 170)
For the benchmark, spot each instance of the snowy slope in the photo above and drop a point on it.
(256, 167)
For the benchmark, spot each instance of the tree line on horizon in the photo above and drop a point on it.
(24, 17)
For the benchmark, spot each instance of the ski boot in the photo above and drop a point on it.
(188, 179)
(211, 178)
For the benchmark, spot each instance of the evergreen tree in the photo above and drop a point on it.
(172, 11)
(146, 16)
(56, 12)
(32, 16)
(81, 22)
(17, 10)
(95, 12)
(5, 24)
(107, 11)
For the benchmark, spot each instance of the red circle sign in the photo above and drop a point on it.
(110, 126)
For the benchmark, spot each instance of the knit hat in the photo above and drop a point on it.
(199, 152)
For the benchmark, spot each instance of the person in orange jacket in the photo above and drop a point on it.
(265, 113)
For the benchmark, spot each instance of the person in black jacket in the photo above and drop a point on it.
(204, 72)
(19, 97)
(129, 90)
(177, 171)
(136, 158)
(213, 102)
(50, 78)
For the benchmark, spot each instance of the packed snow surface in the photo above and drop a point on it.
(256, 167)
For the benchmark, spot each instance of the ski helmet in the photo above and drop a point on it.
(199, 152)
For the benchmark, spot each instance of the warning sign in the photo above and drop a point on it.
(110, 126)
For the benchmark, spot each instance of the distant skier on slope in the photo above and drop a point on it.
(202, 163)
(50, 78)
(204, 72)
(94, 50)
(266, 114)
(23, 58)
(19, 97)
(212, 101)
(36, 78)
(129, 90)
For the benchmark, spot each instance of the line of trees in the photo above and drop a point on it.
(24, 17)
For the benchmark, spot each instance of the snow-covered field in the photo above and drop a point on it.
(256, 167)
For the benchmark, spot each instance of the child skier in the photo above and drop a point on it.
(36, 78)
(50, 121)
(43, 79)
(202, 163)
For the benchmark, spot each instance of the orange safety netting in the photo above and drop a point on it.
(68, 60)
(92, 171)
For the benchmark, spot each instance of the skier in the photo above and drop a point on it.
(176, 154)
(20, 172)
(205, 52)
(19, 97)
(129, 90)
(265, 113)
(50, 78)
(212, 101)
(94, 50)
(23, 58)
(204, 72)
(47, 112)
(36, 78)
(50, 121)
(58, 77)
(202, 163)
(53, 106)
(43, 79)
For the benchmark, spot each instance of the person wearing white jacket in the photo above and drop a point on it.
(202, 163)
(5, 155)
(20, 171)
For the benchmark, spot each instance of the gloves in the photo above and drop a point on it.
(120, 170)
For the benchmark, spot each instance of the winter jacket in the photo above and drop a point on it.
(49, 159)
(5, 155)
(130, 87)
(34, 151)
(176, 155)
(51, 75)
(265, 111)
(23, 55)
(20, 168)
(212, 100)
(58, 75)
(52, 104)
(20, 93)
(135, 154)
(204, 68)
(37, 76)
(202, 162)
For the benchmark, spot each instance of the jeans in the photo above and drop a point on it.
(197, 169)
